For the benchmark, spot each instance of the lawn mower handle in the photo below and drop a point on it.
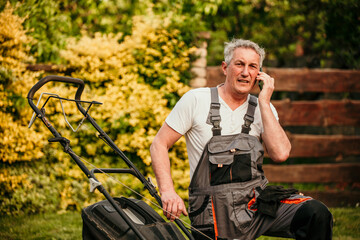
(55, 78)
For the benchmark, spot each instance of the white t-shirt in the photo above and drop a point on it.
(189, 116)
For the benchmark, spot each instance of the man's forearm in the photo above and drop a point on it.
(277, 143)
(161, 167)
(173, 205)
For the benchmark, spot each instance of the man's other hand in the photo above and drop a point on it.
(173, 205)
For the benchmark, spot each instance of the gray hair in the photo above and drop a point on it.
(241, 43)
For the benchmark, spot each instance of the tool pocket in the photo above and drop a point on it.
(232, 215)
(200, 212)
(242, 215)
(230, 161)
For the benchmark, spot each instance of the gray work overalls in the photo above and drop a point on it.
(228, 175)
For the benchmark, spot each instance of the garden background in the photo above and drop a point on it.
(135, 57)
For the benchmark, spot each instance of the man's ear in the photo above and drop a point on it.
(224, 67)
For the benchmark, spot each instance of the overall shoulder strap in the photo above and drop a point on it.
(249, 116)
(214, 113)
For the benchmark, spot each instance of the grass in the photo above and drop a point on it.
(69, 226)
(44, 226)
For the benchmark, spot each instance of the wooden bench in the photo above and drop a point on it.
(320, 111)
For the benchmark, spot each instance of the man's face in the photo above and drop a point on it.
(242, 70)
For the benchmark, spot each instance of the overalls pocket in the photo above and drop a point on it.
(242, 215)
(200, 212)
(232, 216)
(230, 161)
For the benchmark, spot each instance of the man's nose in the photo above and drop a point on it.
(245, 71)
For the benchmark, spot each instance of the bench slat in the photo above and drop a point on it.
(304, 145)
(313, 173)
(315, 80)
(333, 198)
(302, 79)
(318, 113)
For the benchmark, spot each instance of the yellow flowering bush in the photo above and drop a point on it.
(137, 77)
(16, 144)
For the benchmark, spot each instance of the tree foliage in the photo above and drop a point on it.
(51, 22)
(304, 33)
(295, 33)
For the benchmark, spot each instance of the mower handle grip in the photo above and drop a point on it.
(55, 78)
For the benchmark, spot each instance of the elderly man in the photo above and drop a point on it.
(224, 128)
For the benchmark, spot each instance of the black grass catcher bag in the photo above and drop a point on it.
(101, 221)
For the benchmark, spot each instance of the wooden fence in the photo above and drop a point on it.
(320, 111)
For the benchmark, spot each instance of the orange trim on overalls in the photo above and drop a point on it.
(287, 201)
(250, 203)
(214, 218)
(295, 200)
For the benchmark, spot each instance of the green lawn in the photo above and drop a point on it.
(69, 225)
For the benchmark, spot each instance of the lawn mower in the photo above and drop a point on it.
(112, 218)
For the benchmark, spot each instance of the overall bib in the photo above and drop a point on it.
(228, 175)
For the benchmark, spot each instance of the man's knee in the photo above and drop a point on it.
(312, 220)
